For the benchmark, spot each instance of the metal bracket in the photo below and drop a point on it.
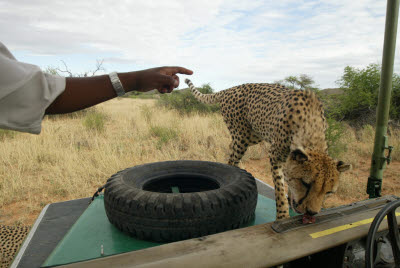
(374, 187)
(388, 158)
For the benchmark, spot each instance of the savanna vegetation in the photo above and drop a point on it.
(76, 153)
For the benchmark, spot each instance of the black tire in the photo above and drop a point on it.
(213, 198)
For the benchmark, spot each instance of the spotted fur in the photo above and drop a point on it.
(293, 123)
(11, 238)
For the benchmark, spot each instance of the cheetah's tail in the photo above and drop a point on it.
(204, 98)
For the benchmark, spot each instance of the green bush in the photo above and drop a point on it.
(184, 101)
(140, 95)
(164, 135)
(5, 133)
(94, 120)
(361, 89)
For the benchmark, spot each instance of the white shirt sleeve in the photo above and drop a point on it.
(25, 93)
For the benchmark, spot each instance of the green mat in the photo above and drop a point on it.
(93, 236)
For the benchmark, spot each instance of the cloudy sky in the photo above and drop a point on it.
(225, 42)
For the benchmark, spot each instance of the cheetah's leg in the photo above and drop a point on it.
(239, 145)
(282, 204)
(237, 151)
(236, 147)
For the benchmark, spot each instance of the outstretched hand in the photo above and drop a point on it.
(164, 79)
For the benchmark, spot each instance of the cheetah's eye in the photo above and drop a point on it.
(329, 192)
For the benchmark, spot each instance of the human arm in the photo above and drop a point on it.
(83, 92)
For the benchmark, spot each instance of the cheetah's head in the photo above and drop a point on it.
(311, 176)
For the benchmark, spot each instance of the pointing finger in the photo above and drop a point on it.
(177, 70)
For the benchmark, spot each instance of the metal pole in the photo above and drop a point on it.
(379, 159)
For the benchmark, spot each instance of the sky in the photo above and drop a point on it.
(225, 42)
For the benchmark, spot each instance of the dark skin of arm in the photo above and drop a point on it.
(83, 92)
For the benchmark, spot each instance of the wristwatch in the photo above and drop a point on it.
(116, 83)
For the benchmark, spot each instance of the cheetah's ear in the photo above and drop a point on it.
(342, 167)
(299, 155)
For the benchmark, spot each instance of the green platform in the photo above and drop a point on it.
(92, 232)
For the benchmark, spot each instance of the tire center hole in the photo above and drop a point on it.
(181, 183)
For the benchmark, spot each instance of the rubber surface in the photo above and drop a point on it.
(56, 222)
(159, 214)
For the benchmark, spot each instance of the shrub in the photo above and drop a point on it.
(165, 134)
(184, 101)
(5, 133)
(141, 95)
(94, 120)
(361, 88)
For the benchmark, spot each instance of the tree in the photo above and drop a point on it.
(58, 71)
(304, 82)
(292, 80)
(66, 70)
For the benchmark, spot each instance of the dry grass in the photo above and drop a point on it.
(70, 160)
(75, 155)
(359, 151)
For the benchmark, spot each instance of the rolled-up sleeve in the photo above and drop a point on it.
(25, 93)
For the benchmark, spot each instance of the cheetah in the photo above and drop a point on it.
(11, 238)
(293, 123)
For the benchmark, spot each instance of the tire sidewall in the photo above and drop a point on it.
(131, 208)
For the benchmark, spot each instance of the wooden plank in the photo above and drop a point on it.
(256, 246)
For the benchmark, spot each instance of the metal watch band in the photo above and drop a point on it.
(117, 85)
